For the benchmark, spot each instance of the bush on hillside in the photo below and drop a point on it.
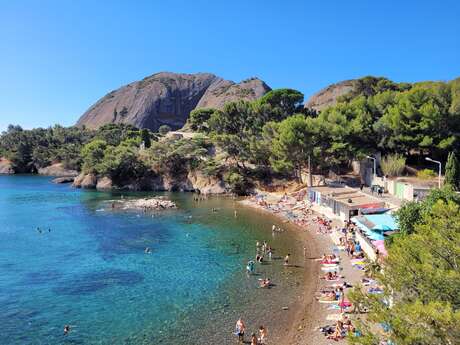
(393, 165)
(426, 174)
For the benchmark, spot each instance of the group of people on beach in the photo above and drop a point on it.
(256, 339)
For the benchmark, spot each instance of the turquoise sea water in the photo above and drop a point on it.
(87, 268)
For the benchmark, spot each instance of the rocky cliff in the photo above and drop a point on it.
(167, 99)
(328, 96)
(5, 166)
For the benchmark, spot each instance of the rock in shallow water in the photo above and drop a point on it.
(156, 203)
(67, 179)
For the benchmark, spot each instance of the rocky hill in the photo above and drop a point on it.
(328, 96)
(167, 99)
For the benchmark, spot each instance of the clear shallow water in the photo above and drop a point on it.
(91, 271)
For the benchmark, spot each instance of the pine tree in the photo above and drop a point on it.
(453, 171)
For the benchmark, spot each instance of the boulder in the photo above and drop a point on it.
(104, 183)
(57, 170)
(89, 181)
(68, 179)
(6, 167)
(205, 184)
(78, 180)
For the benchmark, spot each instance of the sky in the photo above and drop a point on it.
(59, 57)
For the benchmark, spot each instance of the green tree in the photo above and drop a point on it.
(452, 176)
(410, 213)
(294, 142)
(93, 156)
(237, 182)
(422, 280)
(122, 162)
(146, 137)
(164, 129)
(282, 103)
(198, 120)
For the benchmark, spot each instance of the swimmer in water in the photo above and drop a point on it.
(66, 329)
(39, 230)
(147, 250)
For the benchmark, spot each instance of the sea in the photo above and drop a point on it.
(68, 258)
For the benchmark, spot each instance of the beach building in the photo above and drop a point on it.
(343, 202)
(372, 232)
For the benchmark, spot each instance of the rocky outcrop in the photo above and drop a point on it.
(224, 91)
(151, 204)
(328, 96)
(57, 170)
(6, 167)
(104, 183)
(193, 181)
(167, 99)
(68, 179)
(206, 185)
(88, 181)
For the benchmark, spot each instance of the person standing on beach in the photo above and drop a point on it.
(286, 259)
(240, 327)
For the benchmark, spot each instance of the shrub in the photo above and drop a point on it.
(426, 174)
(164, 129)
(237, 182)
(393, 165)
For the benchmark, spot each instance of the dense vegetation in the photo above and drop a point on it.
(421, 280)
(274, 135)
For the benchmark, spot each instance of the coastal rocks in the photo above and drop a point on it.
(68, 179)
(104, 183)
(88, 181)
(167, 99)
(57, 170)
(6, 167)
(206, 185)
(153, 204)
(191, 182)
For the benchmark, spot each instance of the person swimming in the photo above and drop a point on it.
(66, 329)
(250, 268)
(147, 250)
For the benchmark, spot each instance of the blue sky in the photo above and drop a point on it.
(59, 57)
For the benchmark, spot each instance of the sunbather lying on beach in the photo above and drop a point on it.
(327, 296)
(338, 331)
(331, 276)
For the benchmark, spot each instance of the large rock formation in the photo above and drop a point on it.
(328, 96)
(224, 91)
(167, 99)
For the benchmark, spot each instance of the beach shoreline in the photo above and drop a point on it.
(301, 324)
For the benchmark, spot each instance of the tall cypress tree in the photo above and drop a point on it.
(453, 171)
